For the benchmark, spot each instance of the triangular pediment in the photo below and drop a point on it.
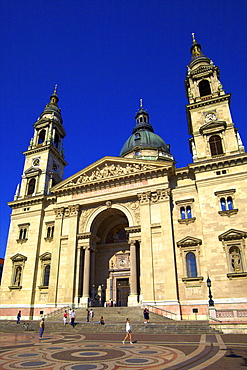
(189, 241)
(211, 126)
(233, 234)
(32, 171)
(45, 256)
(111, 169)
(18, 257)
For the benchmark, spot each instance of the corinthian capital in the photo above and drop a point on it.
(144, 197)
(59, 212)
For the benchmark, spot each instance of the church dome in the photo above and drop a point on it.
(144, 143)
(144, 139)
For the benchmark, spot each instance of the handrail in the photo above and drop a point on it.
(168, 314)
(59, 310)
(214, 319)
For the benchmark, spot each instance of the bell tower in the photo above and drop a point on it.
(209, 117)
(44, 162)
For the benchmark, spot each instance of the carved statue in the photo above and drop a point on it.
(17, 281)
(235, 259)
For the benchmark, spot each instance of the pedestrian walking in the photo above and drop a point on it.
(65, 315)
(18, 317)
(41, 327)
(73, 315)
(87, 317)
(91, 314)
(146, 315)
(128, 332)
(70, 312)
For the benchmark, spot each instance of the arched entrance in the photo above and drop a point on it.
(110, 265)
(109, 261)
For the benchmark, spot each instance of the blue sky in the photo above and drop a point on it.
(105, 55)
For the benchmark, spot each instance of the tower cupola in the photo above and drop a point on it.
(209, 117)
(144, 143)
(202, 78)
(44, 162)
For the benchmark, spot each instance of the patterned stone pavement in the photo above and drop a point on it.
(105, 351)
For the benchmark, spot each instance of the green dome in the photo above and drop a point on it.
(144, 139)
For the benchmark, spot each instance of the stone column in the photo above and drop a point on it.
(169, 293)
(78, 275)
(133, 298)
(55, 258)
(92, 265)
(146, 250)
(70, 277)
(86, 276)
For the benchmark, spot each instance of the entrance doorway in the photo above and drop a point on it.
(123, 291)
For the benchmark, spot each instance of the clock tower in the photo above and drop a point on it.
(44, 162)
(209, 117)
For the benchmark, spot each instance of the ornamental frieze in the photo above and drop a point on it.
(109, 171)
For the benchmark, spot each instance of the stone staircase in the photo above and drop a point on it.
(111, 315)
(115, 318)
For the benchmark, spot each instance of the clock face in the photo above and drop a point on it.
(122, 262)
(36, 162)
(210, 117)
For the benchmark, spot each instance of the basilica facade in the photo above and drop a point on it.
(134, 229)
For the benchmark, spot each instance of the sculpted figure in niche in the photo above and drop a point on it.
(235, 259)
(17, 280)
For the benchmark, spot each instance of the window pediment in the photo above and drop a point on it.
(18, 257)
(184, 201)
(211, 127)
(225, 192)
(233, 234)
(32, 171)
(45, 256)
(189, 241)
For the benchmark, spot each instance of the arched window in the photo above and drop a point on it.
(188, 212)
(204, 88)
(235, 259)
(50, 231)
(56, 140)
(31, 186)
(46, 275)
(191, 265)
(215, 145)
(20, 234)
(229, 203)
(223, 204)
(41, 137)
(182, 213)
(23, 233)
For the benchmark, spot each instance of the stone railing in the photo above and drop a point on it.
(162, 312)
(231, 315)
(57, 311)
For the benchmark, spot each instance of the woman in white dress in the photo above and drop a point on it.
(128, 332)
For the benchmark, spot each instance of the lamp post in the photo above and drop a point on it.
(210, 302)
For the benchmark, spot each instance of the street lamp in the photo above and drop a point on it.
(210, 302)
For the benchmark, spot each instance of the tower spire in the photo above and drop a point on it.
(195, 48)
(54, 98)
